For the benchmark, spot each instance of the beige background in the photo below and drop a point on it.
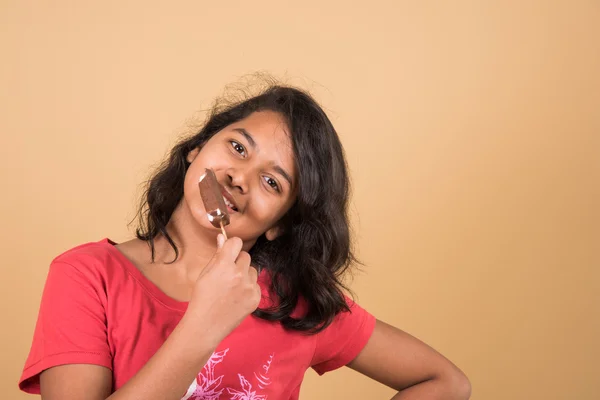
(471, 128)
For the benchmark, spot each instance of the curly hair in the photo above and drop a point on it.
(308, 260)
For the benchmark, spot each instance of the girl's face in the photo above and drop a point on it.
(253, 160)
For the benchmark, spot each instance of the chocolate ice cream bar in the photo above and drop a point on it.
(216, 210)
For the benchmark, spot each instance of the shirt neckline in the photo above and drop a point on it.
(146, 283)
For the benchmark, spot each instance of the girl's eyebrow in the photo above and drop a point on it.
(285, 175)
(248, 137)
(253, 144)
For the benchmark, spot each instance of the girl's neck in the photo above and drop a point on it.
(196, 246)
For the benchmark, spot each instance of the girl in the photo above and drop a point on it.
(181, 313)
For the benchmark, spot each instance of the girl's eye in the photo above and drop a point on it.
(238, 147)
(272, 182)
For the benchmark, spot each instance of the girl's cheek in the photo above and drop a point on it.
(261, 208)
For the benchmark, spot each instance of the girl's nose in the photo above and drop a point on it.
(237, 179)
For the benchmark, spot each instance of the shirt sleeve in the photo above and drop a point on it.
(343, 340)
(71, 326)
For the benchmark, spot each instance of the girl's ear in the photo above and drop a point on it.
(192, 155)
(273, 233)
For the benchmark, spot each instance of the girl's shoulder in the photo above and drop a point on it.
(85, 251)
(94, 259)
(344, 338)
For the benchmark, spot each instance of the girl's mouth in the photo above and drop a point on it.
(231, 207)
(230, 202)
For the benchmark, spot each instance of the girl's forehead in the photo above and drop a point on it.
(265, 130)
(266, 123)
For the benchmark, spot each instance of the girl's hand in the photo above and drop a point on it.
(226, 291)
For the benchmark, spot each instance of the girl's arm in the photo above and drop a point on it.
(224, 294)
(408, 365)
(167, 374)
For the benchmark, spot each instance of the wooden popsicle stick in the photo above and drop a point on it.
(223, 230)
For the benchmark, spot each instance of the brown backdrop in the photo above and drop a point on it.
(471, 129)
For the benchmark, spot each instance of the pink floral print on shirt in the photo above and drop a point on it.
(208, 387)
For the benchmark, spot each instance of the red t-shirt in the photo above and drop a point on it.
(98, 308)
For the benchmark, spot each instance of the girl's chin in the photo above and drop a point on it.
(212, 230)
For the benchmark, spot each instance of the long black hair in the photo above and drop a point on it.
(307, 261)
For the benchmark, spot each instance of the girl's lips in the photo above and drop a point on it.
(229, 199)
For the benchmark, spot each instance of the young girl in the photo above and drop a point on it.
(181, 313)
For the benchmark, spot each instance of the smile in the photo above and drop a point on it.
(230, 205)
